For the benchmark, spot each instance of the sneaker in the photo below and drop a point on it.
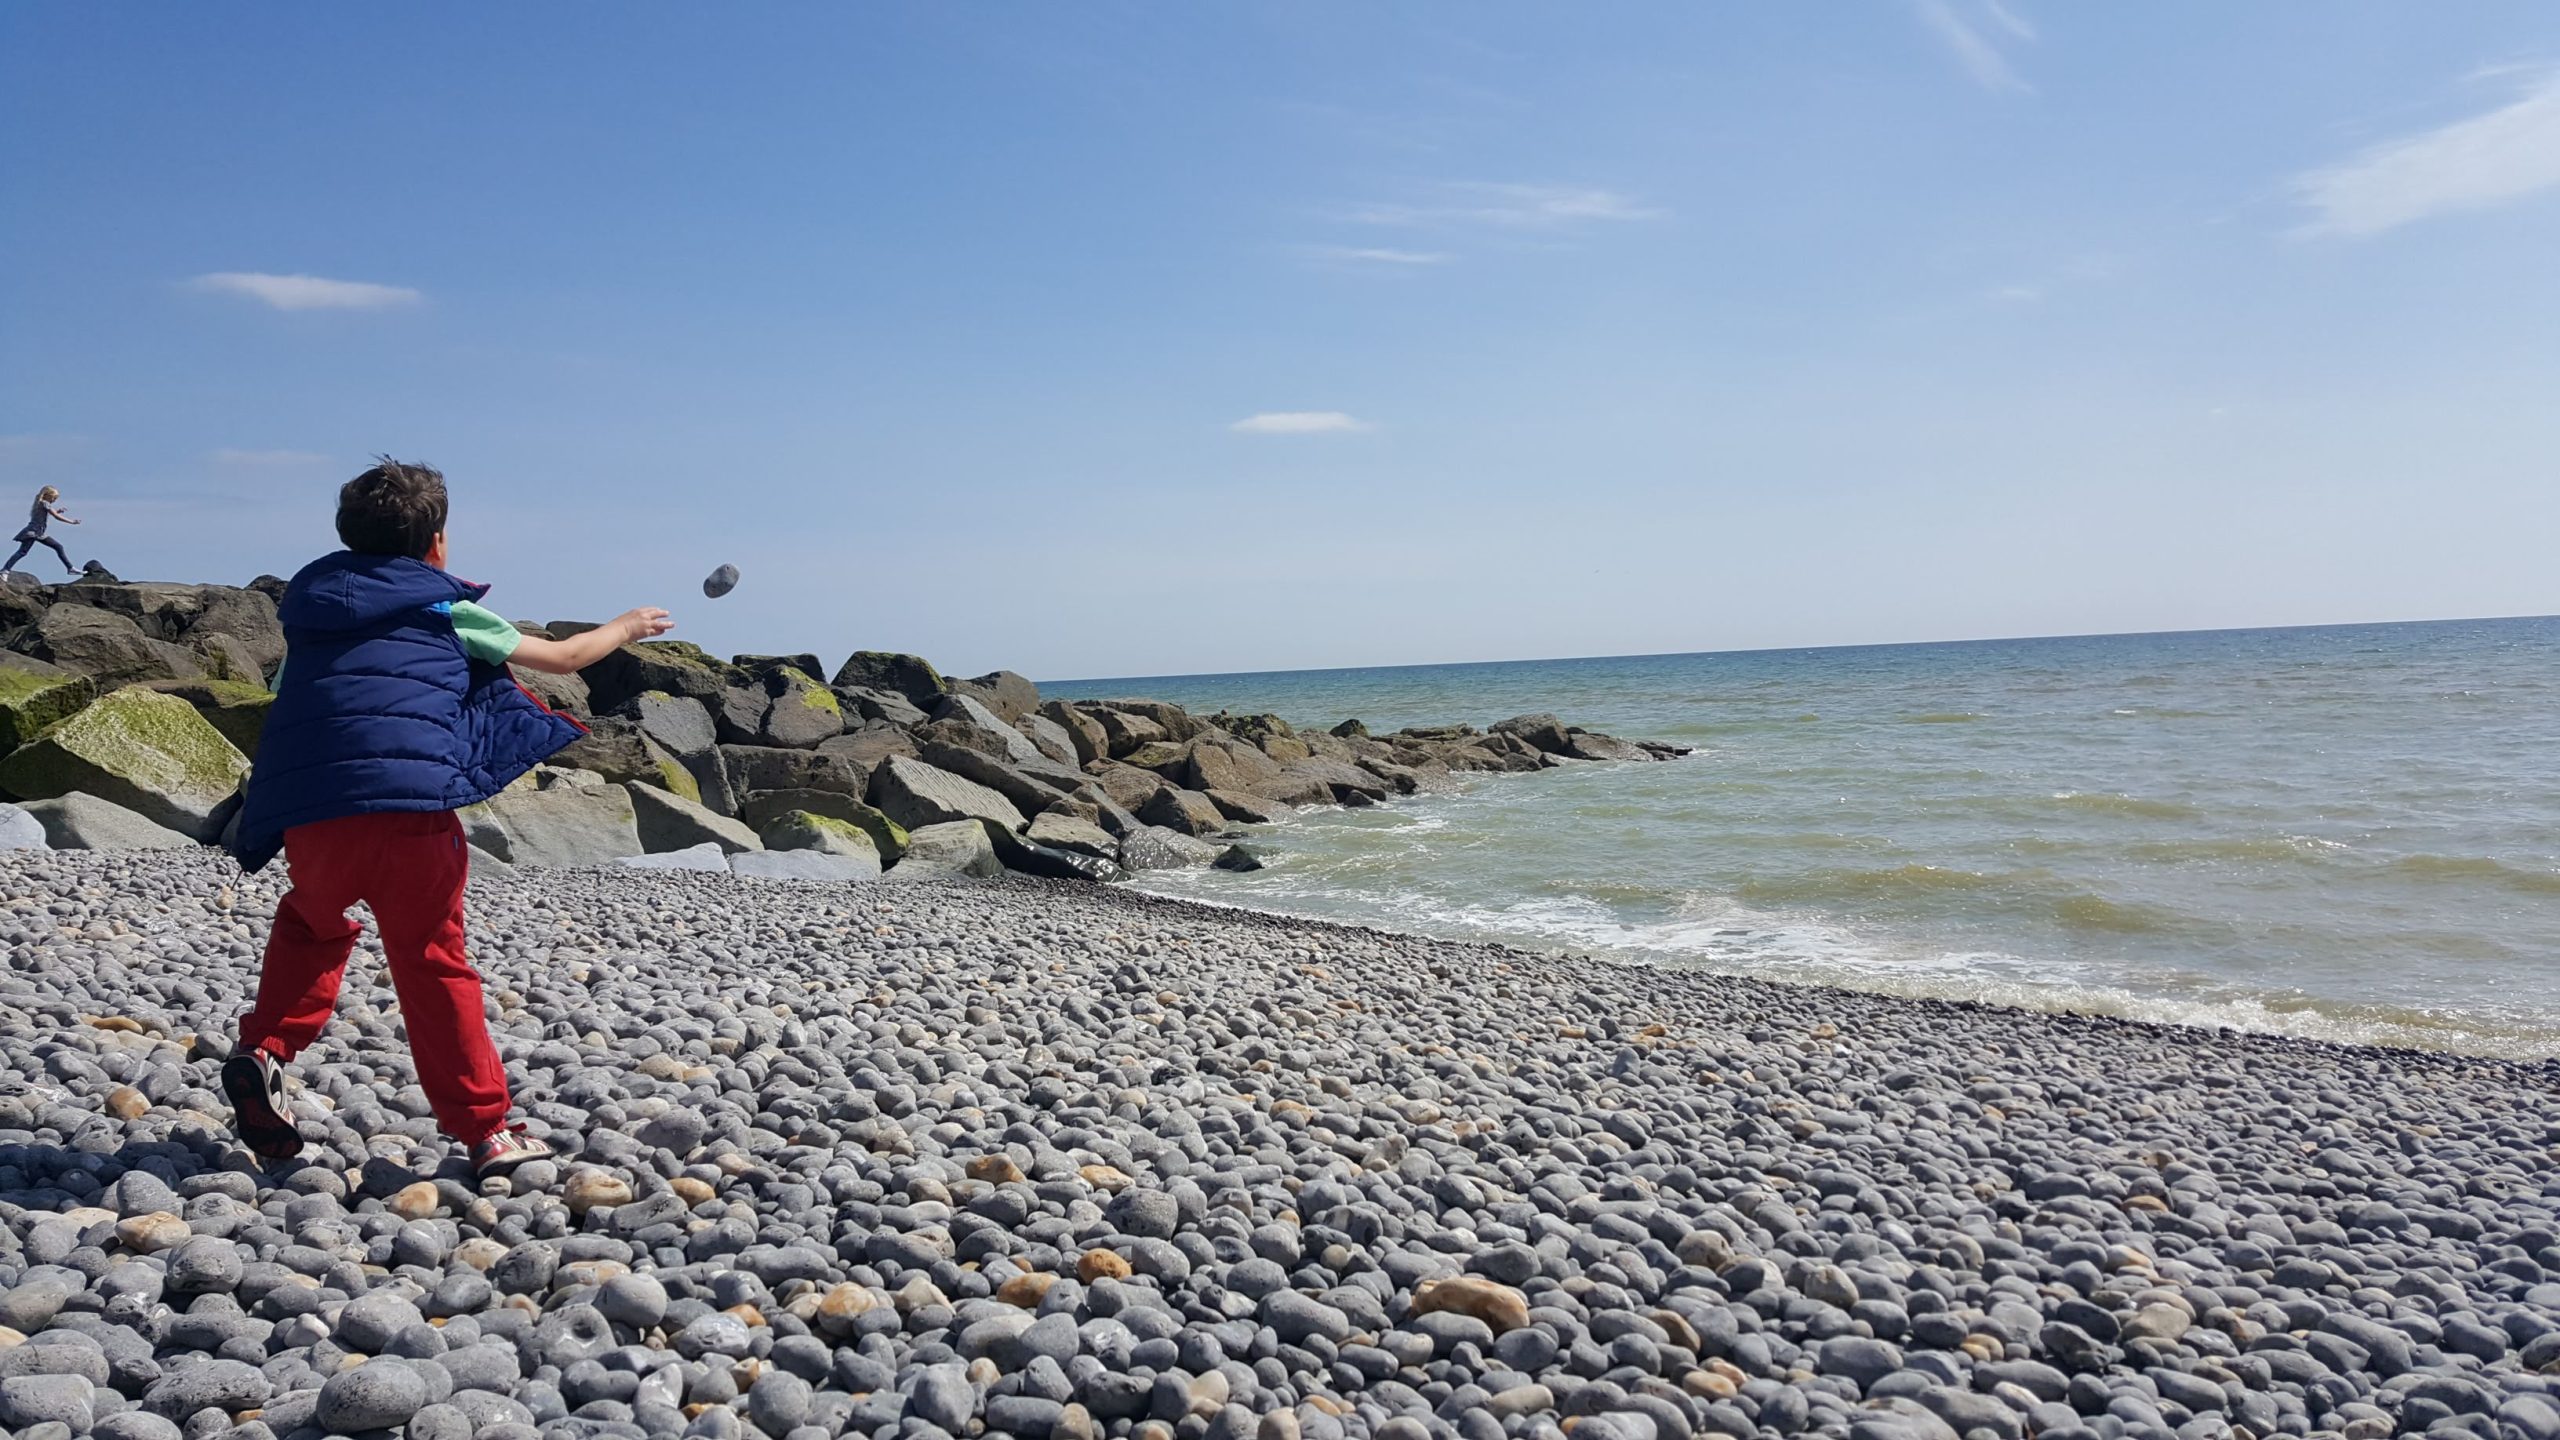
(505, 1150)
(255, 1083)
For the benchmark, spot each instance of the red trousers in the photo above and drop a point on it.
(410, 869)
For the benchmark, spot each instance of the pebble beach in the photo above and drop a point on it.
(1046, 1159)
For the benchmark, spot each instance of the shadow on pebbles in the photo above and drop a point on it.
(1033, 1159)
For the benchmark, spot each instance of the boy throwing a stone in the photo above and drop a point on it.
(393, 710)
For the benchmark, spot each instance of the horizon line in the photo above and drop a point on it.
(1795, 649)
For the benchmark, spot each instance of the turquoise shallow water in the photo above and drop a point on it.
(2349, 832)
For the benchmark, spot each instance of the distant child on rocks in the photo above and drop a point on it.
(393, 710)
(33, 535)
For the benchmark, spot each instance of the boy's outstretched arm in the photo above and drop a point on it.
(564, 657)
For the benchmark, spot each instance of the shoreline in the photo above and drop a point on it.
(1060, 1159)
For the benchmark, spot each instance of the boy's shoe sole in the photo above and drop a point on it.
(255, 1086)
(501, 1153)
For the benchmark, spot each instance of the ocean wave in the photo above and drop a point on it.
(1818, 886)
(1714, 935)
(2475, 869)
(1944, 717)
(2109, 803)
(2301, 849)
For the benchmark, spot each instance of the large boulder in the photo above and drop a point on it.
(1029, 858)
(1231, 765)
(1188, 811)
(1125, 733)
(107, 647)
(1083, 731)
(765, 767)
(1127, 786)
(160, 610)
(566, 694)
(804, 662)
(802, 830)
(706, 858)
(620, 751)
(671, 822)
(1176, 722)
(680, 724)
(34, 694)
(674, 667)
(912, 676)
(235, 707)
(885, 706)
(151, 753)
(1152, 847)
(555, 825)
(1002, 691)
(870, 744)
(21, 831)
(780, 708)
(1542, 730)
(1348, 783)
(1248, 809)
(917, 795)
(958, 847)
(85, 822)
(968, 720)
(1030, 786)
(1590, 745)
(244, 617)
(1050, 738)
(768, 807)
(1061, 831)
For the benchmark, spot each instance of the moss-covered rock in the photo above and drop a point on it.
(237, 708)
(766, 808)
(801, 830)
(910, 675)
(619, 750)
(677, 667)
(148, 752)
(34, 695)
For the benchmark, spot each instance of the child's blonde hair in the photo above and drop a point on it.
(48, 494)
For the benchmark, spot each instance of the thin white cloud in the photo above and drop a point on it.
(1376, 255)
(268, 458)
(2018, 294)
(1299, 422)
(307, 292)
(1979, 56)
(2488, 160)
(1498, 206)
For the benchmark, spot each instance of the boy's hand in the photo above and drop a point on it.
(645, 623)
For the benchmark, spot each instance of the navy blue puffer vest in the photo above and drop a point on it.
(379, 709)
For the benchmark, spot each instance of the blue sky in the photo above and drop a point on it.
(1114, 339)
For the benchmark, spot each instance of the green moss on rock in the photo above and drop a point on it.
(677, 780)
(34, 695)
(149, 752)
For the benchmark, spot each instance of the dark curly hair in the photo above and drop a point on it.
(395, 508)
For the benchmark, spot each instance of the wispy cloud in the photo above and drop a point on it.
(268, 458)
(1299, 422)
(1375, 255)
(2019, 294)
(2488, 160)
(1488, 205)
(1977, 53)
(307, 292)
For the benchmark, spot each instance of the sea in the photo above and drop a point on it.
(2348, 833)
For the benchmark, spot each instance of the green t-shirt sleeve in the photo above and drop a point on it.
(485, 637)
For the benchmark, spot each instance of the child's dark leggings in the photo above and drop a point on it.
(29, 542)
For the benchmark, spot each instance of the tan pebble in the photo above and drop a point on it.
(1106, 1178)
(153, 1233)
(126, 1103)
(589, 1189)
(120, 1024)
(691, 1191)
(995, 1170)
(414, 1202)
(1329, 1405)
(843, 1303)
(1572, 1032)
(10, 1339)
(753, 1317)
(589, 1272)
(747, 1372)
(1026, 1291)
(1709, 1384)
(1100, 1264)
(1677, 1326)
(734, 1164)
(479, 1252)
(84, 1216)
(1498, 1306)
(1726, 1371)
(2152, 1204)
